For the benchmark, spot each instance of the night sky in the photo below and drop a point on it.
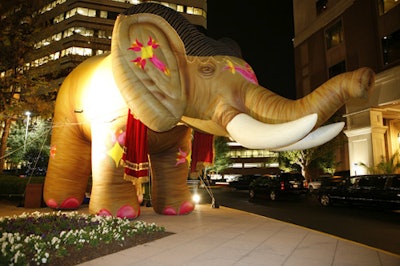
(264, 31)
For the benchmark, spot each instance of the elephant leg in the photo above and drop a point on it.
(169, 154)
(111, 194)
(68, 169)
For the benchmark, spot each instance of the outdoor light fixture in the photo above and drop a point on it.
(28, 116)
(196, 198)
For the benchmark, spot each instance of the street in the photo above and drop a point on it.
(370, 226)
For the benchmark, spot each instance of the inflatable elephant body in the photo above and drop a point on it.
(173, 79)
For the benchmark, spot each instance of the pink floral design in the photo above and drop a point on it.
(247, 72)
(147, 54)
(182, 157)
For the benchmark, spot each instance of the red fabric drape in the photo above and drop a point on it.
(202, 150)
(135, 149)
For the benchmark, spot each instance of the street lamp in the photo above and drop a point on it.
(28, 116)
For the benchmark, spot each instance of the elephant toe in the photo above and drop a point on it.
(51, 203)
(128, 211)
(186, 208)
(69, 203)
(104, 212)
(169, 211)
(125, 211)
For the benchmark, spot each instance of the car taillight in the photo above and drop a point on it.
(282, 185)
(305, 184)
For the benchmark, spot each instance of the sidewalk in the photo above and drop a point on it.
(224, 236)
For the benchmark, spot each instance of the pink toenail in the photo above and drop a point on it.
(104, 212)
(52, 203)
(70, 203)
(169, 211)
(186, 207)
(127, 211)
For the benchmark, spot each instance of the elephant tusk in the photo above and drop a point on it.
(253, 134)
(318, 137)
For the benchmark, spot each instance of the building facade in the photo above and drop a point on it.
(73, 30)
(334, 36)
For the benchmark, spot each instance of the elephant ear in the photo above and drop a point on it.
(148, 60)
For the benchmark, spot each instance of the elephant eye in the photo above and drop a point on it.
(207, 70)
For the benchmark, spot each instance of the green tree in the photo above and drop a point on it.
(321, 157)
(21, 89)
(32, 149)
(385, 166)
(222, 159)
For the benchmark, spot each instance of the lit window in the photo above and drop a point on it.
(70, 13)
(195, 11)
(103, 14)
(92, 13)
(57, 37)
(180, 8)
(58, 19)
(334, 35)
(86, 12)
(190, 10)
(79, 51)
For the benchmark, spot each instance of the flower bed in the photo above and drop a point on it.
(51, 238)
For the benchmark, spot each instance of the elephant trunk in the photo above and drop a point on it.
(324, 101)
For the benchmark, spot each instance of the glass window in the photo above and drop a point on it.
(337, 69)
(56, 37)
(103, 14)
(334, 35)
(70, 13)
(68, 32)
(86, 12)
(386, 5)
(112, 15)
(391, 48)
(190, 10)
(321, 6)
(59, 18)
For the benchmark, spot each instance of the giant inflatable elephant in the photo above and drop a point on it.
(174, 80)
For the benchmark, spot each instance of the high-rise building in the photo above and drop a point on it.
(334, 36)
(73, 30)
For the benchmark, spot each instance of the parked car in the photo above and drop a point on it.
(378, 190)
(315, 184)
(274, 187)
(243, 182)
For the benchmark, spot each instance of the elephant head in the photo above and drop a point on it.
(181, 75)
(173, 79)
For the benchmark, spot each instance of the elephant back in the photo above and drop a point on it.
(196, 43)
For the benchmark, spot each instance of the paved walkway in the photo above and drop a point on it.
(224, 236)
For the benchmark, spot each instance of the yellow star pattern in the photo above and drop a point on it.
(116, 153)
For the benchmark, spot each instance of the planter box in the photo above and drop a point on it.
(33, 196)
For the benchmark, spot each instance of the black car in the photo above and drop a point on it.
(243, 182)
(274, 187)
(372, 190)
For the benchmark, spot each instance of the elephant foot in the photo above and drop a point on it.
(186, 208)
(67, 204)
(125, 211)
